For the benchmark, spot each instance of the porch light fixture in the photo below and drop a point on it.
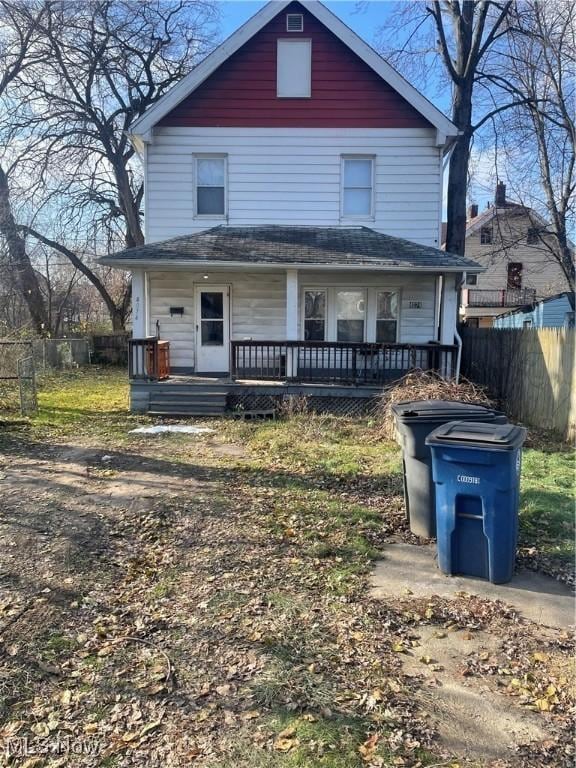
(205, 277)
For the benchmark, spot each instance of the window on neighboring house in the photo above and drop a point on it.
(314, 315)
(294, 69)
(357, 187)
(211, 186)
(514, 281)
(569, 320)
(350, 314)
(486, 235)
(471, 279)
(527, 323)
(386, 316)
(532, 236)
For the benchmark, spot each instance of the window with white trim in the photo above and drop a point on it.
(357, 187)
(350, 315)
(210, 184)
(386, 317)
(315, 315)
(294, 69)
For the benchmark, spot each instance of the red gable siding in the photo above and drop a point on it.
(346, 92)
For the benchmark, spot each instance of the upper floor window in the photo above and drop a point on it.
(210, 185)
(294, 69)
(471, 279)
(532, 236)
(357, 187)
(514, 275)
(486, 235)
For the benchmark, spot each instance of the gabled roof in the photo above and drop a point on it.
(292, 246)
(510, 207)
(142, 127)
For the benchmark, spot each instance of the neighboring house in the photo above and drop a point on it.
(511, 242)
(292, 213)
(553, 312)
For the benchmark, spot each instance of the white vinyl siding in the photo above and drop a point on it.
(294, 69)
(258, 304)
(293, 176)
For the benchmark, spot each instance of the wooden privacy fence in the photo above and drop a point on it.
(530, 372)
(110, 349)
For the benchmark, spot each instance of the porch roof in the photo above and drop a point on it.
(292, 246)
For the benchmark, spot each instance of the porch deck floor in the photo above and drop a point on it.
(203, 381)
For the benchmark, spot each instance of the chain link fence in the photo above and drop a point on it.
(27, 386)
(14, 395)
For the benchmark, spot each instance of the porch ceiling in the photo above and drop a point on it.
(292, 246)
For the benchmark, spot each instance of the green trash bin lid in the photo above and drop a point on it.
(473, 434)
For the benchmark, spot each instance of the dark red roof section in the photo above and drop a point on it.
(346, 92)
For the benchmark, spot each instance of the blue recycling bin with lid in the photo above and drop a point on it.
(476, 473)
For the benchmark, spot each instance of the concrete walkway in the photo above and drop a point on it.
(536, 597)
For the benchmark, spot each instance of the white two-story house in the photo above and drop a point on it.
(293, 192)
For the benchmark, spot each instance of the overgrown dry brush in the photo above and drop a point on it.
(421, 385)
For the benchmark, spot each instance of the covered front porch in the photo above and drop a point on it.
(309, 325)
(293, 306)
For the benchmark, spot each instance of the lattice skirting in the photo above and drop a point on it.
(286, 404)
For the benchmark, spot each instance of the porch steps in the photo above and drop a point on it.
(198, 402)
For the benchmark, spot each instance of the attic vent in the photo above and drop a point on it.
(294, 22)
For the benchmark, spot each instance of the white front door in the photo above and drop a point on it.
(212, 328)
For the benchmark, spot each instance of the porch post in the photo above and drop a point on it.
(291, 321)
(448, 319)
(139, 309)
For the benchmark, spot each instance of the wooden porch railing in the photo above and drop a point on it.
(148, 359)
(346, 362)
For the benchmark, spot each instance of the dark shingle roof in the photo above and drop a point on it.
(286, 245)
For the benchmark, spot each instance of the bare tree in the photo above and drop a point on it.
(17, 41)
(539, 71)
(97, 67)
(461, 35)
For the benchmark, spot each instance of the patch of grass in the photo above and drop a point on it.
(547, 502)
(91, 402)
(285, 684)
(81, 396)
(318, 742)
(56, 644)
(326, 445)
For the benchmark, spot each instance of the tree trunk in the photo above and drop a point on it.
(462, 119)
(26, 278)
(457, 190)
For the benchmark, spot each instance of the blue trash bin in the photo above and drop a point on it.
(476, 472)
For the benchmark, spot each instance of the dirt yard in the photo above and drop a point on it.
(203, 600)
